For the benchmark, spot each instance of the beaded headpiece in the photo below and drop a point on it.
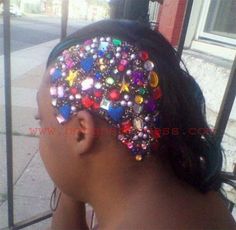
(115, 80)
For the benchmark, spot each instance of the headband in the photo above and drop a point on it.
(115, 80)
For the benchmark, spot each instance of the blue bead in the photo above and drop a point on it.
(87, 64)
(100, 53)
(116, 113)
(103, 46)
(56, 75)
(98, 76)
(65, 111)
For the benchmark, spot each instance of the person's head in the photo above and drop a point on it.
(115, 95)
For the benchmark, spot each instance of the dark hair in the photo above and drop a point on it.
(197, 159)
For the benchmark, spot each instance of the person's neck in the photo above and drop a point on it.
(125, 193)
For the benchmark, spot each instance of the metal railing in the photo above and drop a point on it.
(220, 126)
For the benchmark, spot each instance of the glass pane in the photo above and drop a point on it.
(221, 19)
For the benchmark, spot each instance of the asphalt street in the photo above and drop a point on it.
(29, 31)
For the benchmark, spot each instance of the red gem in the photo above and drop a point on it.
(114, 95)
(144, 55)
(156, 133)
(87, 102)
(96, 106)
(126, 126)
(97, 93)
(121, 68)
(157, 93)
(73, 91)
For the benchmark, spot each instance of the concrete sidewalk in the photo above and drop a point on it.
(32, 186)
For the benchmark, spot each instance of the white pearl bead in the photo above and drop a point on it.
(140, 134)
(118, 55)
(123, 103)
(128, 72)
(130, 103)
(126, 97)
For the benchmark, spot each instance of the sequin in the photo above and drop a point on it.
(153, 79)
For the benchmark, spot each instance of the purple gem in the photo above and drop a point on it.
(88, 42)
(151, 106)
(138, 77)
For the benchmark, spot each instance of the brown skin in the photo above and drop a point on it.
(125, 194)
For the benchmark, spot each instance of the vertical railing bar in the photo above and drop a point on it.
(126, 5)
(185, 27)
(64, 18)
(226, 105)
(8, 111)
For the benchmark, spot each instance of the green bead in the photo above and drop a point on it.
(143, 91)
(110, 81)
(116, 42)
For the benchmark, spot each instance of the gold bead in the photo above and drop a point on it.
(138, 99)
(103, 67)
(153, 79)
(138, 157)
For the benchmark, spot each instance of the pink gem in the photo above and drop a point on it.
(124, 62)
(130, 145)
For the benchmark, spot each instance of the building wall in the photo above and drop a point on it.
(171, 19)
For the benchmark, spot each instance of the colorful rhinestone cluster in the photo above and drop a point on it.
(114, 79)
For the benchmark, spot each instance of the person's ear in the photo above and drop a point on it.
(85, 130)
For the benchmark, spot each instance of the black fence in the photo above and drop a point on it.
(220, 126)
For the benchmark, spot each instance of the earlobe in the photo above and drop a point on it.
(84, 132)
